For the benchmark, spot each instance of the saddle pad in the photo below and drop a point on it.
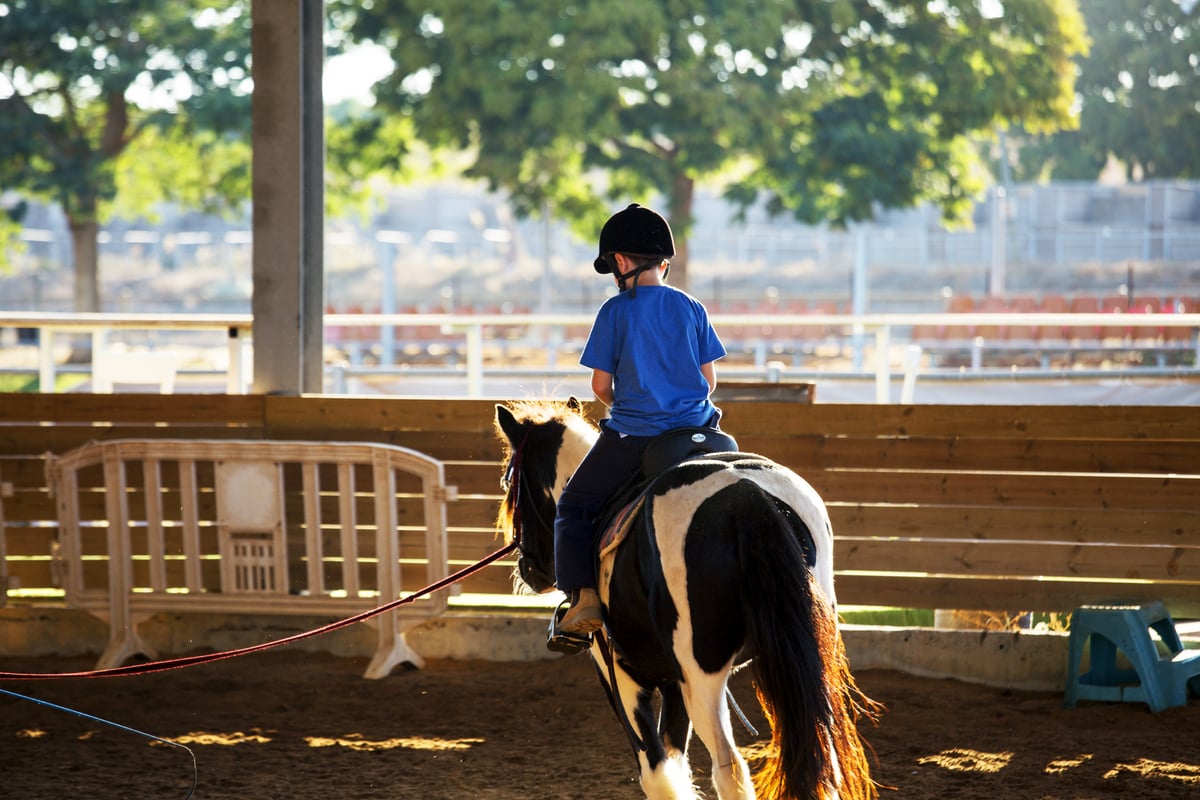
(616, 531)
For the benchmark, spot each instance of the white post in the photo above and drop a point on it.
(859, 300)
(102, 379)
(883, 375)
(235, 382)
(996, 278)
(475, 360)
(387, 305)
(912, 365)
(46, 377)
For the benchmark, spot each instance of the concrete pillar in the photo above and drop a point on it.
(288, 195)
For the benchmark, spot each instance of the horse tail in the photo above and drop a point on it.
(802, 676)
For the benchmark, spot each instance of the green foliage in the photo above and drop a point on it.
(363, 146)
(902, 90)
(17, 382)
(24, 382)
(199, 169)
(1139, 93)
(828, 107)
(10, 228)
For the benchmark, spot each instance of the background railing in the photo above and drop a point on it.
(466, 347)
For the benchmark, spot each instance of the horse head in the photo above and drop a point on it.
(543, 442)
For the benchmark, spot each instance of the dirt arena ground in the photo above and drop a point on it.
(302, 726)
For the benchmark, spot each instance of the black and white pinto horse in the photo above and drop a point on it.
(728, 559)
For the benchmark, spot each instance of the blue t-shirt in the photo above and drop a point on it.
(654, 343)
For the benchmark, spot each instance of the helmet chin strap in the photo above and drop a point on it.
(622, 277)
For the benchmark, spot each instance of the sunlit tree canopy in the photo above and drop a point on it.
(824, 108)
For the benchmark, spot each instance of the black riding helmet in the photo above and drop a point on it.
(636, 231)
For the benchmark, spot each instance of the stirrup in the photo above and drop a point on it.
(562, 642)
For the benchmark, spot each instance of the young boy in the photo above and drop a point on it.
(651, 352)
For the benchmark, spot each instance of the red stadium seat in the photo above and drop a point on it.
(1054, 304)
(1021, 332)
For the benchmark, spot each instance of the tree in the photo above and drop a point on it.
(1139, 93)
(826, 107)
(82, 80)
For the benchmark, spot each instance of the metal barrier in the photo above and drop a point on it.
(175, 525)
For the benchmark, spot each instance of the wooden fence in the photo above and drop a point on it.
(1022, 508)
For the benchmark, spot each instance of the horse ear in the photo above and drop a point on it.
(574, 404)
(506, 422)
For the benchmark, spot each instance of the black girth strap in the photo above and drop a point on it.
(610, 660)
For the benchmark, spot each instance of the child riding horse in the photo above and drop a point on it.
(726, 558)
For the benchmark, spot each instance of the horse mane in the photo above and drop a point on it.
(541, 411)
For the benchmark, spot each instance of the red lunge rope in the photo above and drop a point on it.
(188, 661)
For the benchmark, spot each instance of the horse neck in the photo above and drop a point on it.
(578, 438)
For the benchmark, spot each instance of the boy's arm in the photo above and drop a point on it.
(710, 374)
(602, 386)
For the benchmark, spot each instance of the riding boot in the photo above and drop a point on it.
(583, 617)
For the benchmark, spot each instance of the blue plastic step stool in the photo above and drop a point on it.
(1160, 681)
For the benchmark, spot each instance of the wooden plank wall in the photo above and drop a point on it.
(973, 507)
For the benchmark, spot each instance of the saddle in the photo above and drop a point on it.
(664, 451)
(679, 444)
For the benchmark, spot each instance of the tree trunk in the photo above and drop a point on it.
(84, 233)
(680, 213)
(86, 293)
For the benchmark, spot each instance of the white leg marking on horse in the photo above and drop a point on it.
(671, 781)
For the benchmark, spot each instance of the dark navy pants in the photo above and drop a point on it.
(610, 463)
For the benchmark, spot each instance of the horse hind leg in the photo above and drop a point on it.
(704, 694)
